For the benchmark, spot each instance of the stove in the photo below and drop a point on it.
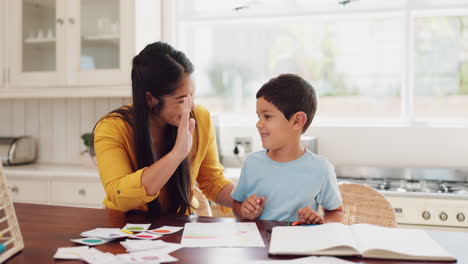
(411, 185)
(420, 197)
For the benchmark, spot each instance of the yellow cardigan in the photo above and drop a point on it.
(113, 143)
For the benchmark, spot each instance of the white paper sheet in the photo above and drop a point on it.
(306, 260)
(70, 252)
(221, 235)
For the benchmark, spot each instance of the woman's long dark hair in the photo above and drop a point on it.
(157, 69)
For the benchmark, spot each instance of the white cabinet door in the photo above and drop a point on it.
(73, 43)
(29, 190)
(77, 193)
(102, 43)
(35, 43)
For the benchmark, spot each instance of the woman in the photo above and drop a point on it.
(151, 153)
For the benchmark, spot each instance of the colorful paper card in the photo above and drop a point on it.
(156, 246)
(91, 241)
(136, 227)
(70, 252)
(145, 235)
(152, 256)
(166, 230)
(139, 245)
(106, 233)
(96, 256)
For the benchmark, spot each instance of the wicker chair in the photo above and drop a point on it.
(203, 207)
(362, 204)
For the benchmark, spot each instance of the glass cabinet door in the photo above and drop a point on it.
(69, 43)
(33, 49)
(103, 42)
(100, 35)
(38, 35)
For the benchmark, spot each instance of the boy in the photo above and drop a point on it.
(286, 182)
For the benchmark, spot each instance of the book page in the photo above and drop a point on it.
(327, 239)
(397, 243)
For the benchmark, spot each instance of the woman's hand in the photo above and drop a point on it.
(183, 143)
(154, 177)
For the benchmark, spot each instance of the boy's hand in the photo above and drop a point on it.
(309, 216)
(252, 207)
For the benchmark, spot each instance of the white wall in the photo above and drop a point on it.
(394, 146)
(375, 146)
(59, 123)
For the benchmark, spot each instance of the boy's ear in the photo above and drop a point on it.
(299, 119)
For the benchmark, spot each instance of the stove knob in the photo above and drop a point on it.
(443, 216)
(426, 215)
(460, 217)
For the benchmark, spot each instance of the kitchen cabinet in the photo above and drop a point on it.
(55, 184)
(69, 43)
(102, 41)
(73, 48)
(28, 190)
(77, 192)
(35, 41)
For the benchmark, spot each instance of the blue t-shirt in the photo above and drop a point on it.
(287, 187)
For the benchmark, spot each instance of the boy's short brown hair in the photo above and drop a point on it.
(290, 94)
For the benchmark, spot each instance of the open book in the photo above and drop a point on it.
(368, 241)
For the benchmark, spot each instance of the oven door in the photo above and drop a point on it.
(436, 211)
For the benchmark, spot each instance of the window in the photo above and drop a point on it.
(441, 66)
(368, 60)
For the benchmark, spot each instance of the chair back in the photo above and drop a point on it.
(362, 204)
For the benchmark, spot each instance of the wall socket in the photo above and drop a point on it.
(244, 142)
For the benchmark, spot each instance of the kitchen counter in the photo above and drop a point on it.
(51, 170)
(75, 170)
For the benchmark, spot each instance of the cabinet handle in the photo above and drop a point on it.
(15, 189)
(60, 21)
(82, 192)
(71, 20)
